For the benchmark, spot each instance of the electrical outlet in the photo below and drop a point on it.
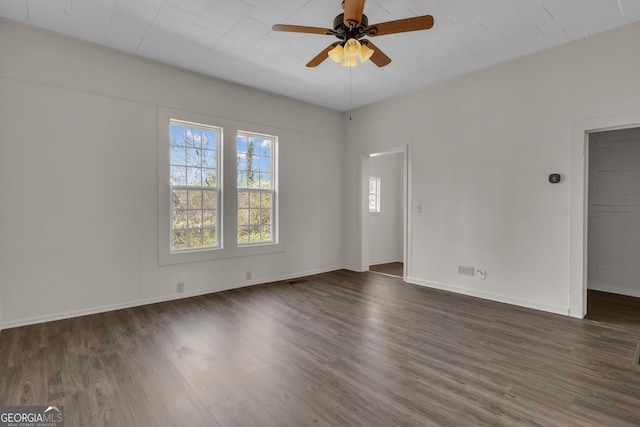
(482, 274)
(180, 287)
(248, 275)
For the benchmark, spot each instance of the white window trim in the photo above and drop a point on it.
(377, 209)
(228, 191)
(219, 184)
(274, 191)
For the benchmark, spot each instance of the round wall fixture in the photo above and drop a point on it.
(554, 178)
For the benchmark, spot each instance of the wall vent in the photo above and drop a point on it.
(466, 271)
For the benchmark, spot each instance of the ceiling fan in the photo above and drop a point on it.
(350, 27)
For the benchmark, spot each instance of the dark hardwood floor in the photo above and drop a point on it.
(613, 309)
(390, 268)
(336, 349)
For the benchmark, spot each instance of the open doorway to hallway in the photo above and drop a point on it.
(613, 261)
(386, 213)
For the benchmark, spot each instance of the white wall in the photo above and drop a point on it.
(483, 146)
(78, 163)
(386, 227)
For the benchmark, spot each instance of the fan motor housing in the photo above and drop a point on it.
(344, 33)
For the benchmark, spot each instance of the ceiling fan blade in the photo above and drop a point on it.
(302, 29)
(319, 59)
(378, 57)
(400, 26)
(353, 12)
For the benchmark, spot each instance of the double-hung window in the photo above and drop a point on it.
(209, 209)
(195, 191)
(256, 156)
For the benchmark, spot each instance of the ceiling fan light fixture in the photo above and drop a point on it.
(352, 48)
(336, 54)
(350, 61)
(365, 53)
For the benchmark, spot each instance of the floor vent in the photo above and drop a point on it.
(466, 271)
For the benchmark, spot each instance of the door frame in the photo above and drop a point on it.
(405, 150)
(579, 201)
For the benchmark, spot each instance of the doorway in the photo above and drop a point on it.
(613, 226)
(578, 206)
(384, 214)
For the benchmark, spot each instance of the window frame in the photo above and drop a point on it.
(376, 194)
(228, 189)
(273, 190)
(186, 187)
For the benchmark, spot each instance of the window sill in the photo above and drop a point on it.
(217, 254)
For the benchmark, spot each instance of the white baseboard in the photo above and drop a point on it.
(490, 296)
(154, 300)
(613, 288)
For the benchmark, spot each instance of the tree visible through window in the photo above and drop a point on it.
(194, 186)
(374, 194)
(256, 188)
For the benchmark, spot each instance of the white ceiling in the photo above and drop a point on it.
(233, 40)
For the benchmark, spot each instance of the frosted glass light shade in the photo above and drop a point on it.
(365, 53)
(350, 61)
(352, 48)
(336, 54)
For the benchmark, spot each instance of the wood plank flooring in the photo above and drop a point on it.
(391, 268)
(613, 309)
(336, 349)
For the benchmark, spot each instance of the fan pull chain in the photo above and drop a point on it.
(350, 68)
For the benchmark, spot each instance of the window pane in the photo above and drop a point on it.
(254, 199)
(210, 140)
(254, 216)
(177, 154)
(243, 199)
(266, 232)
(179, 239)
(243, 234)
(195, 219)
(242, 180)
(179, 199)
(209, 218)
(176, 134)
(193, 157)
(195, 199)
(179, 219)
(209, 200)
(210, 238)
(265, 147)
(178, 175)
(265, 180)
(210, 178)
(265, 216)
(243, 216)
(254, 233)
(265, 164)
(195, 239)
(209, 159)
(194, 176)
